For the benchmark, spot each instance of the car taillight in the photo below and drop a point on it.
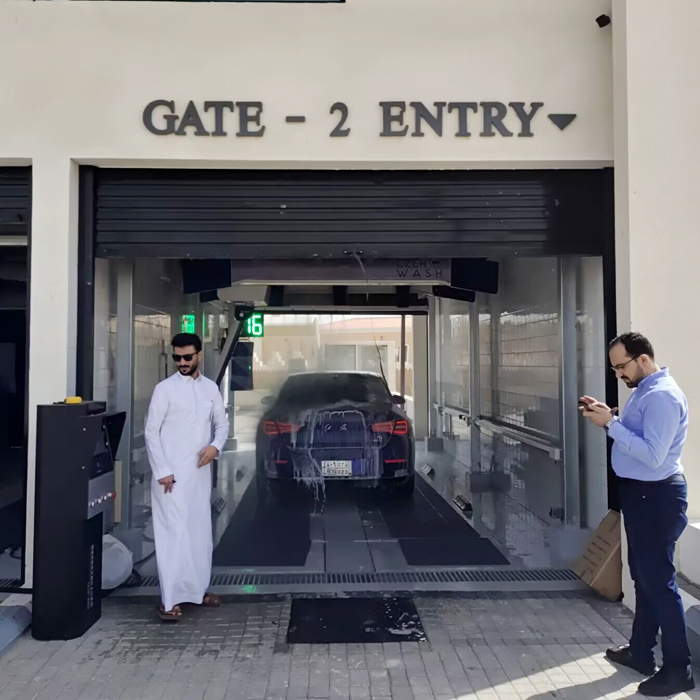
(401, 427)
(272, 427)
(398, 427)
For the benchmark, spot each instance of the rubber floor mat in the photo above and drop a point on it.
(265, 535)
(432, 533)
(452, 551)
(354, 621)
(427, 515)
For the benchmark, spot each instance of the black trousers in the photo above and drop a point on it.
(655, 516)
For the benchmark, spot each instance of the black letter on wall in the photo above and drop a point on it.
(423, 114)
(525, 118)
(191, 118)
(389, 118)
(219, 108)
(246, 118)
(170, 119)
(494, 114)
(462, 111)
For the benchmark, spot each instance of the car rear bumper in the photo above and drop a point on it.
(302, 488)
(379, 465)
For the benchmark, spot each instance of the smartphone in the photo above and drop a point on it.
(583, 404)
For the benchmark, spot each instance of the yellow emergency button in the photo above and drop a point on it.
(74, 399)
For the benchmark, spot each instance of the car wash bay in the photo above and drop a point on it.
(478, 295)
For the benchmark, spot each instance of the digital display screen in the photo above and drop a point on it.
(187, 323)
(102, 456)
(102, 444)
(254, 327)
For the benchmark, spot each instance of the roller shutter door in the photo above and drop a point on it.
(15, 201)
(298, 214)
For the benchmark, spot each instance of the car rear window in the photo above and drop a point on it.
(331, 389)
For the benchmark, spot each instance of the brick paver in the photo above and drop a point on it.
(483, 647)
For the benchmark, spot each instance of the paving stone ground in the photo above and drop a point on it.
(483, 647)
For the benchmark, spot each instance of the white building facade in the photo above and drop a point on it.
(390, 85)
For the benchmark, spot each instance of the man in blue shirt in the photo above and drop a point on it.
(646, 456)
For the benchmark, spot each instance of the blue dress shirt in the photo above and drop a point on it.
(650, 436)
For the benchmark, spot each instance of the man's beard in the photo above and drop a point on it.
(189, 371)
(632, 383)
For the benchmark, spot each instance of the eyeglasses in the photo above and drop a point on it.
(177, 359)
(619, 368)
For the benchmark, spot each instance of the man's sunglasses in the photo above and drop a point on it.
(177, 359)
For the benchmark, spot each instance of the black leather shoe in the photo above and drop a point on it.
(622, 656)
(667, 682)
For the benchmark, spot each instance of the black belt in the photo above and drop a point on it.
(669, 480)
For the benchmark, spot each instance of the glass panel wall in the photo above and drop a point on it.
(139, 306)
(520, 346)
(516, 485)
(520, 361)
(453, 324)
(592, 367)
(105, 343)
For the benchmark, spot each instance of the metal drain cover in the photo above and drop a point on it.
(434, 579)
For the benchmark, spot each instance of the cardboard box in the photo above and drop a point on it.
(600, 565)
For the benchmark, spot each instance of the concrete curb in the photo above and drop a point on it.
(15, 618)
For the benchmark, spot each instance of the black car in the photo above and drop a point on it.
(335, 427)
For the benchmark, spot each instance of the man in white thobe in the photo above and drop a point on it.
(186, 409)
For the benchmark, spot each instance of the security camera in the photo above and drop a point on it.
(603, 20)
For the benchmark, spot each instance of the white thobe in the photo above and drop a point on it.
(183, 414)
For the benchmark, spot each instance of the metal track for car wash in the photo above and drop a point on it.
(447, 580)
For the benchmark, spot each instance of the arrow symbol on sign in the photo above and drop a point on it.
(562, 120)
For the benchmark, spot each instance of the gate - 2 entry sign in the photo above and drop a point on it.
(396, 119)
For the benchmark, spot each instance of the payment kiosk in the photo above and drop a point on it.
(75, 496)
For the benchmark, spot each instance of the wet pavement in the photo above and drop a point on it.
(488, 647)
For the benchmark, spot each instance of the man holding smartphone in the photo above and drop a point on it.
(646, 456)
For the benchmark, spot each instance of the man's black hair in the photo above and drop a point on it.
(635, 344)
(184, 340)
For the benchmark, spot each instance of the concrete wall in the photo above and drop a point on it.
(82, 74)
(53, 303)
(657, 149)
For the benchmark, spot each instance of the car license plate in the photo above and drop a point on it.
(336, 467)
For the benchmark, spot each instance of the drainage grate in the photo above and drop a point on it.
(392, 578)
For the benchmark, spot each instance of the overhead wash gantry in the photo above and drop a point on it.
(351, 285)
